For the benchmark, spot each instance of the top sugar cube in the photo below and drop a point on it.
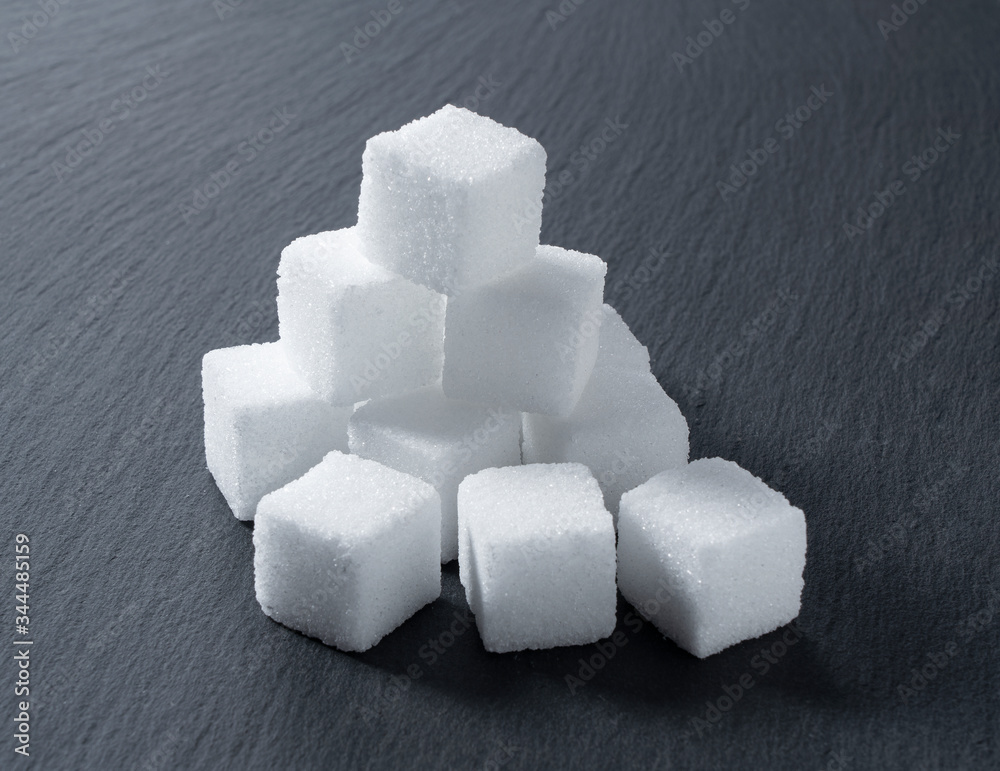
(451, 200)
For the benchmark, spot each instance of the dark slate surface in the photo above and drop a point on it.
(858, 373)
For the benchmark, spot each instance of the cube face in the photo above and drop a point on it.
(529, 341)
(438, 440)
(617, 347)
(711, 555)
(296, 574)
(451, 200)
(624, 427)
(263, 426)
(533, 596)
(536, 556)
(353, 330)
(348, 552)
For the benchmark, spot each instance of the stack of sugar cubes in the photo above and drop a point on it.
(446, 387)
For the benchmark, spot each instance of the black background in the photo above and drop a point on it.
(856, 373)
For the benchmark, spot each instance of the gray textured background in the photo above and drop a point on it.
(858, 374)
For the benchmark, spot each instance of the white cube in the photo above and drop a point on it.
(537, 556)
(348, 552)
(527, 341)
(711, 555)
(264, 427)
(451, 200)
(354, 330)
(624, 428)
(439, 440)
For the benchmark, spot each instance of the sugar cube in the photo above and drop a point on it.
(451, 200)
(527, 341)
(354, 330)
(537, 556)
(617, 347)
(624, 427)
(711, 555)
(348, 552)
(439, 440)
(263, 425)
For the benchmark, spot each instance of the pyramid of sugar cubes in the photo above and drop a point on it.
(446, 387)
